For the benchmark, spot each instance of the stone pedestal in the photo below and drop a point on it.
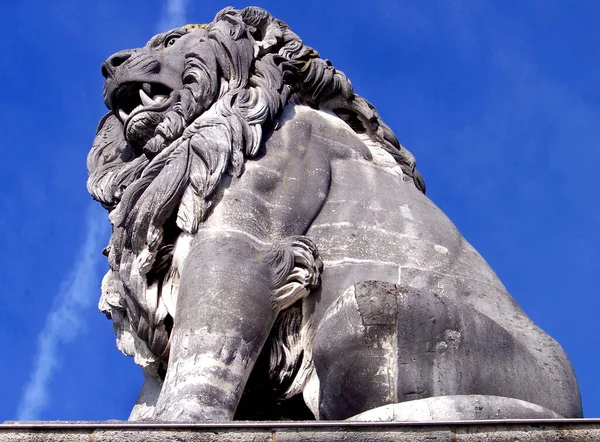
(572, 430)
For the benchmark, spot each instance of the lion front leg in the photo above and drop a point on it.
(146, 401)
(231, 290)
(224, 315)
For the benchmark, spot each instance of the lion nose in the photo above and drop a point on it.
(114, 61)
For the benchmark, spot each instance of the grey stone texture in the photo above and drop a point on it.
(274, 255)
(579, 430)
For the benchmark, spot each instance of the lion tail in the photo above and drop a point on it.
(297, 267)
(291, 363)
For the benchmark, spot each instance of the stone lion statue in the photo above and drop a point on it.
(274, 255)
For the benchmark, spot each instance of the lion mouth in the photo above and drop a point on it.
(130, 99)
(140, 108)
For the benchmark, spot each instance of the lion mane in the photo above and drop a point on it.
(246, 68)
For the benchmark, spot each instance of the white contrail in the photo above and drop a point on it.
(82, 288)
(77, 293)
(174, 15)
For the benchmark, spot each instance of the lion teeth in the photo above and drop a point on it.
(159, 98)
(146, 100)
(123, 115)
(137, 108)
(147, 88)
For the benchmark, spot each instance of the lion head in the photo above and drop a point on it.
(186, 110)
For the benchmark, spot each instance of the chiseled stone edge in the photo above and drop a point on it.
(575, 430)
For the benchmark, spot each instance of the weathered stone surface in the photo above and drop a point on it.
(578, 430)
(272, 238)
(455, 408)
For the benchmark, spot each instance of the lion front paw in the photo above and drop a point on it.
(191, 411)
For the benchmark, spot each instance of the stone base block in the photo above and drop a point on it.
(573, 430)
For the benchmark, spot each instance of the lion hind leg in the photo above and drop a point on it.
(382, 343)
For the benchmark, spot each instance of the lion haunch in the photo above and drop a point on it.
(274, 255)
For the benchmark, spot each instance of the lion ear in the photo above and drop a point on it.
(268, 39)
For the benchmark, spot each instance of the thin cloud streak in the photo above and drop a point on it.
(79, 291)
(64, 322)
(174, 15)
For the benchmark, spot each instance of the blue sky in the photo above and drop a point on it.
(499, 101)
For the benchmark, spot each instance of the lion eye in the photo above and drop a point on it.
(171, 41)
